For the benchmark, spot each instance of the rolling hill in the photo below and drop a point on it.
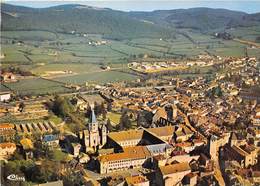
(78, 18)
(122, 25)
(203, 19)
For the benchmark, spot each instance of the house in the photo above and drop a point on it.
(131, 157)
(157, 149)
(75, 148)
(5, 96)
(127, 138)
(51, 140)
(245, 155)
(172, 174)
(8, 77)
(190, 179)
(7, 131)
(7, 149)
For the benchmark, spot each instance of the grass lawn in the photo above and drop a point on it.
(58, 155)
(114, 118)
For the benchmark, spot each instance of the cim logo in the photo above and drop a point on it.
(14, 177)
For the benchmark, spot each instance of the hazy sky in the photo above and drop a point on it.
(148, 5)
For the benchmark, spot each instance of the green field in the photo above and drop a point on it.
(36, 86)
(100, 77)
(42, 52)
(74, 67)
(29, 35)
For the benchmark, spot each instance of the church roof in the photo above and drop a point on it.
(93, 118)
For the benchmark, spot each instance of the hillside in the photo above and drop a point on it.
(203, 19)
(79, 18)
(122, 25)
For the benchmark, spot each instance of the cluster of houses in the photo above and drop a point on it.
(189, 132)
(157, 66)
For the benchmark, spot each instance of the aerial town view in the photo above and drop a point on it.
(130, 93)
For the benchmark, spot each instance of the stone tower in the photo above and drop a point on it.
(103, 135)
(95, 136)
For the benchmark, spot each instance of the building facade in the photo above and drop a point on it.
(95, 136)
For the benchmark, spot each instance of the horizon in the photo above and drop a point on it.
(243, 6)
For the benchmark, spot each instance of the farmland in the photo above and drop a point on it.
(43, 53)
(36, 86)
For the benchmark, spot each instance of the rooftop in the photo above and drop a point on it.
(50, 137)
(7, 145)
(126, 135)
(132, 180)
(174, 168)
(137, 152)
(162, 131)
(6, 125)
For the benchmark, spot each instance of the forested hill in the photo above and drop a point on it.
(78, 18)
(119, 25)
(203, 19)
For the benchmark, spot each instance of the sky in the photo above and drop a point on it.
(251, 6)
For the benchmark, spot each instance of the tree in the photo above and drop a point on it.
(218, 91)
(21, 106)
(125, 121)
(47, 171)
(88, 112)
(61, 106)
(97, 108)
(109, 125)
(139, 120)
(109, 106)
(103, 110)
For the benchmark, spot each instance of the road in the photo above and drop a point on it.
(218, 174)
(247, 42)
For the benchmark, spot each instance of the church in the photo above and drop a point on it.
(95, 136)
